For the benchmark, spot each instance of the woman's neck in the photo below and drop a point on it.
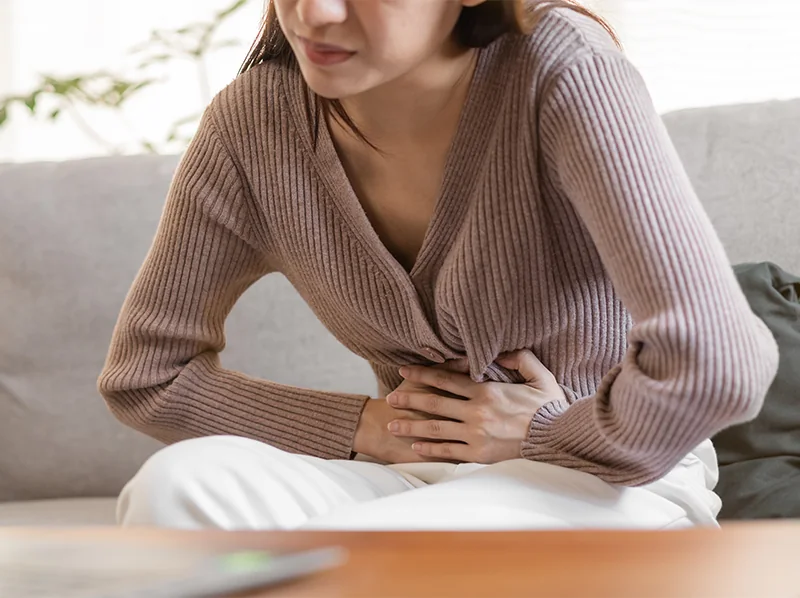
(417, 105)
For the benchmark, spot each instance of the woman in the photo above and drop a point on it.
(480, 199)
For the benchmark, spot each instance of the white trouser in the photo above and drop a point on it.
(232, 483)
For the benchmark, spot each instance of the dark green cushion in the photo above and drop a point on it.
(760, 460)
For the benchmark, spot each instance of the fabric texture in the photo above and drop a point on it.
(269, 489)
(566, 224)
(760, 460)
(744, 163)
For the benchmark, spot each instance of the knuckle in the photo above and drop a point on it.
(434, 429)
(481, 413)
(443, 377)
(489, 393)
(445, 451)
(481, 433)
(433, 404)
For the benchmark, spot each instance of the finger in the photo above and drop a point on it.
(430, 403)
(434, 429)
(444, 451)
(528, 365)
(452, 382)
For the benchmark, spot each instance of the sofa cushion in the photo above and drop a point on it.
(760, 460)
(64, 512)
(744, 162)
(73, 235)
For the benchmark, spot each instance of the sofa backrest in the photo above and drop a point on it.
(73, 235)
(744, 162)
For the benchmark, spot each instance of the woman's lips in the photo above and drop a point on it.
(324, 54)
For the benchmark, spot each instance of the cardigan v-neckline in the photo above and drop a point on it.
(462, 167)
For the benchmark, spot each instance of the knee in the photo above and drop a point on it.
(171, 487)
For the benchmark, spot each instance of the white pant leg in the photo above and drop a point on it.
(228, 482)
(522, 494)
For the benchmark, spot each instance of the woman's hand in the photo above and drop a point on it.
(491, 420)
(373, 437)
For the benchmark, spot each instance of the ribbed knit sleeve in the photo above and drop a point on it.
(163, 375)
(698, 359)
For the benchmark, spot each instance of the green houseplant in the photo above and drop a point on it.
(55, 98)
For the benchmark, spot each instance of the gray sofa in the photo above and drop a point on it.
(73, 234)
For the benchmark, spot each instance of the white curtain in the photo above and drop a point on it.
(691, 52)
(708, 52)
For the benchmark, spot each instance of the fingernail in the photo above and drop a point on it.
(394, 427)
(416, 447)
(391, 398)
(405, 371)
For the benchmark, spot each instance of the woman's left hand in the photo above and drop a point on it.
(491, 420)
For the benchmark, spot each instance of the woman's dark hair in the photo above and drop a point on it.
(477, 27)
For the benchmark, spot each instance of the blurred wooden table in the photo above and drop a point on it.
(756, 559)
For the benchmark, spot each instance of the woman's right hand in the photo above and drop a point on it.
(374, 439)
(372, 435)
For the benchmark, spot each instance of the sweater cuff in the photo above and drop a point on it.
(571, 395)
(541, 427)
(299, 420)
(328, 425)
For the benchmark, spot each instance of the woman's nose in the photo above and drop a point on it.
(318, 13)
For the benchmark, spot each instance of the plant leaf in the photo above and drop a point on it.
(155, 59)
(30, 102)
(228, 43)
(224, 14)
(3, 115)
(140, 85)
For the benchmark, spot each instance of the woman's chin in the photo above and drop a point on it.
(329, 86)
(328, 93)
